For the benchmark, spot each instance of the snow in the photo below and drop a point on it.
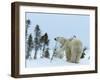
(45, 62)
(43, 20)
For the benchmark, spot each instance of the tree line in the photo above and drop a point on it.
(39, 42)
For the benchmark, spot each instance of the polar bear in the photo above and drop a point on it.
(59, 53)
(72, 48)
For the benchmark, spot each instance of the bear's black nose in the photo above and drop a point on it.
(54, 38)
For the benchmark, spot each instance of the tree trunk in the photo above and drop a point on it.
(35, 55)
(43, 47)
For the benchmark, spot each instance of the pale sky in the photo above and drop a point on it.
(62, 25)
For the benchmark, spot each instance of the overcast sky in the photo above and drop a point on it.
(63, 25)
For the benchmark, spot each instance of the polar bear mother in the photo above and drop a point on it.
(72, 48)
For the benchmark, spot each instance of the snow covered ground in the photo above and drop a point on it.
(45, 62)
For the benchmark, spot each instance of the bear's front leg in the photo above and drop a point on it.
(68, 54)
(73, 58)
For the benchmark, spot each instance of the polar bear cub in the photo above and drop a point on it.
(72, 48)
(59, 53)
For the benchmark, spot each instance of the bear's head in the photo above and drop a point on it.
(60, 40)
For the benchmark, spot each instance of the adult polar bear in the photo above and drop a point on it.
(72, 48)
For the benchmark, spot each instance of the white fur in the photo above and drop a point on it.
(59, 53)
(73, 49)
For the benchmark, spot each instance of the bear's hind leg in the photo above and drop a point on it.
(78, 58)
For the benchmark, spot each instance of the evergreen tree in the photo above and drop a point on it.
(46, 53)
(28, 22)
(45, 41)
(29, 46)
(83, 53)
(37, 44)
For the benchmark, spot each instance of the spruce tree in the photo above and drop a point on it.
(83, 53)
(29, 46)
(37, 44)
(28, 22)
(45, 41)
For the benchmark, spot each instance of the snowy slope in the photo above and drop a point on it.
(45, 62)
